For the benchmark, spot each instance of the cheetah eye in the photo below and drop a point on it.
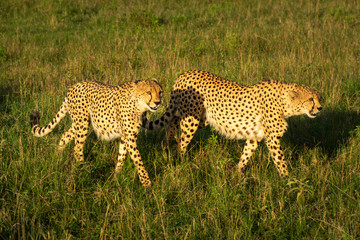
(148, 93)
(160, 93)
(311, 99)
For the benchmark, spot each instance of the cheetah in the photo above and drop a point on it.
(113, 111)
(236, 111)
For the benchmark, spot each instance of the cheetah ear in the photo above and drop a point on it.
(155, 80)
(293, 94)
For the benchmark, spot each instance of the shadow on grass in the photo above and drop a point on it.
(328, 131)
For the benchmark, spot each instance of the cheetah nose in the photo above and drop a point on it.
(157, 103)
(319, 108)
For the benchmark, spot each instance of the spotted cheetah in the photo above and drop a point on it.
(113, 111)
(236, 111)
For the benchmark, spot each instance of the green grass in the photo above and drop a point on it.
(46, 46)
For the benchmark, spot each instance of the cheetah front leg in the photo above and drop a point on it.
(121, 156)
(248, 151)
(273, 144)
(135, 156)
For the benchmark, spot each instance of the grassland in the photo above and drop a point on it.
(45, 46)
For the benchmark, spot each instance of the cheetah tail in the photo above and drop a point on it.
(38, 131)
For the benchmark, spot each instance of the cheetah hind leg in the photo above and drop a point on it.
(188, 126)
(250, 147)
(174, 127)
(80, 137)
(67, 137)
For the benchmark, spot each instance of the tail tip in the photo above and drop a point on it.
(34, 118)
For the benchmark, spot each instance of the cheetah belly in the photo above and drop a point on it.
(236, 128)
(106, 131)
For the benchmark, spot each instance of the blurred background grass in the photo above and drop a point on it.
(46, 46)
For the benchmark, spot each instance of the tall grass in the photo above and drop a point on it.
(46, 46)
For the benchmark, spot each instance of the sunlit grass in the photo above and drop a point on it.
(46, 46)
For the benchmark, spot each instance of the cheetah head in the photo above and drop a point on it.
(149, 94)
(303, 100)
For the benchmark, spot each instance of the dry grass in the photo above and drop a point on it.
(45, 46)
